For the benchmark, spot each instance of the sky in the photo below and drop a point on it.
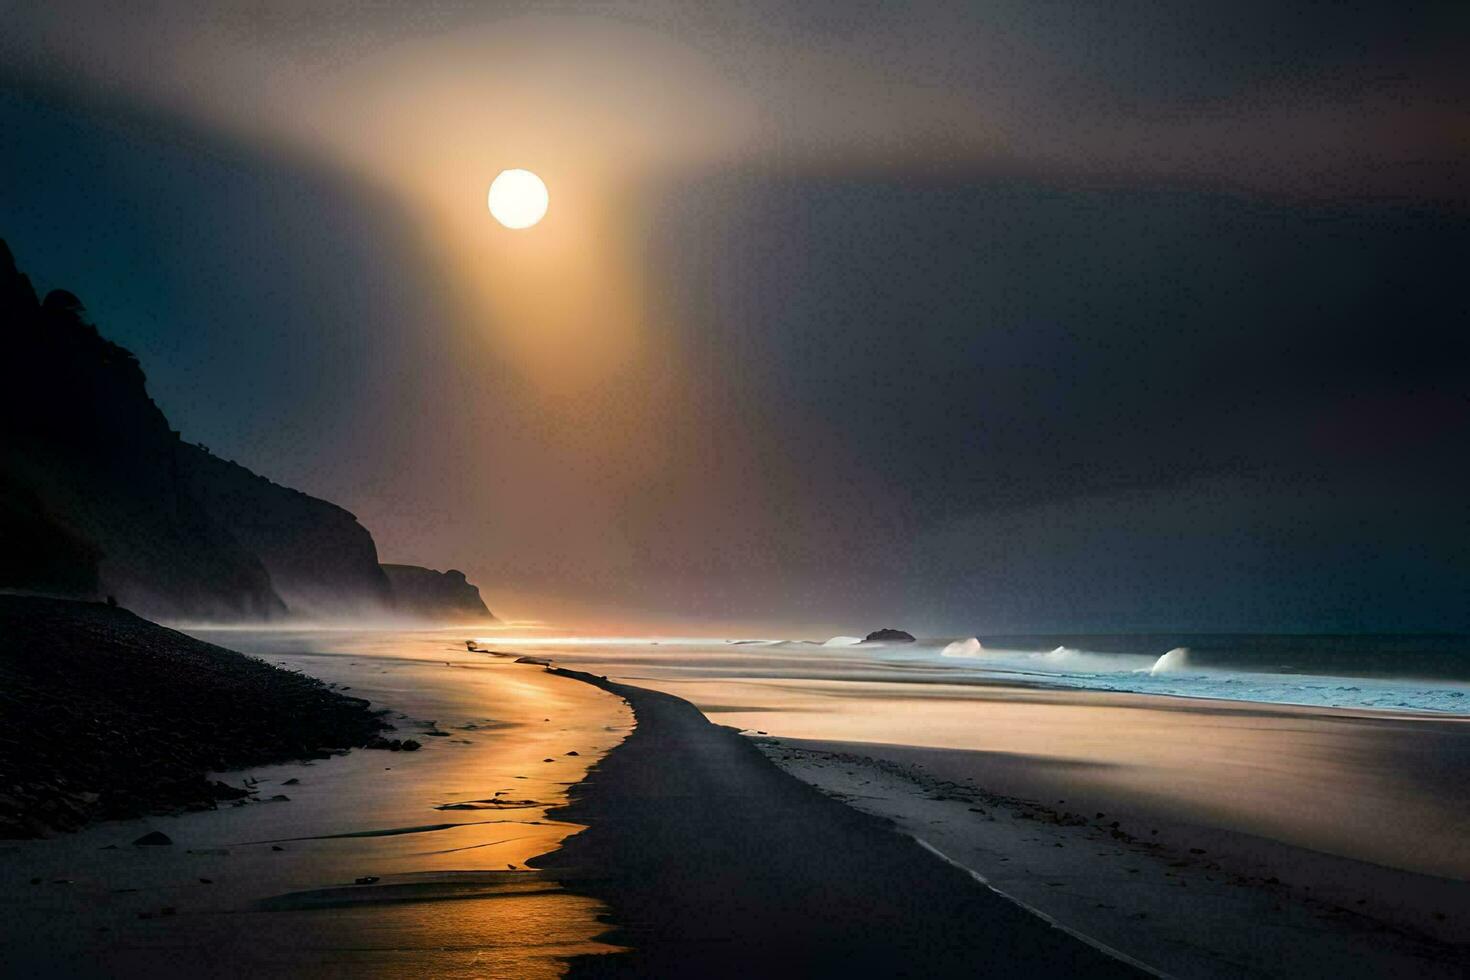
(961, 317)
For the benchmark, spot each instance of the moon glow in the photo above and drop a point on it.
(518, 198)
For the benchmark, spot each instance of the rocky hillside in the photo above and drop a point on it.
(108, 715)
(92, 501)
(321, 561)
(100, 497)
(445, 596)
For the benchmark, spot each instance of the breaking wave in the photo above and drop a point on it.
(1179, 672)
(1173, 662)
(963, 648)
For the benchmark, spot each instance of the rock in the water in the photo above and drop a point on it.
(394, 744)
(154, 838)
(888, 635)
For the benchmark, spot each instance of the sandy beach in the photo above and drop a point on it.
(661, 808)
(714, 863)
(1204, 838)
(1189, 901)
(438, 839)
(930, 489)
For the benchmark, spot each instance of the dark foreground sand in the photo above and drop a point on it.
(367, 864)
(1186, 900)
(713, 862)
(1202, 838)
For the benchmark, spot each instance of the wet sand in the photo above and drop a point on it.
(1188, 901)
(270, 889)
(1390, 789)
(715, 863)
(1287, 837)
(1197, 838)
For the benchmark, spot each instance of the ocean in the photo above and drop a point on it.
(1401, 672)
(1384, 672)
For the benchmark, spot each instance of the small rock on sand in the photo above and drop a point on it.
(153, 838)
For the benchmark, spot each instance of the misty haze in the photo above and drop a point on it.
(785, 489)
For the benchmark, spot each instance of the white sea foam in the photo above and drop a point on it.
(1173, 662)
(963, 648)
(1173, 673)
(843, 641)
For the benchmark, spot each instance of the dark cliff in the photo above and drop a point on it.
(91, 498)
(438, 595)
(99, 496)
(320, 559)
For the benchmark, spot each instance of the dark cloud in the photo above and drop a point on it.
(970, 387)
(1019, 316)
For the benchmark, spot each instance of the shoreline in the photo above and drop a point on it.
(1331, 836)
(1183, 909)
(372, 862)
(675, 845)
(712, 861)
(1376, 787)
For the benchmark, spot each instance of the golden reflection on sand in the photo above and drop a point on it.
(381, 864)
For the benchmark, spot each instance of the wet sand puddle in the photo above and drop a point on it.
(376, 863)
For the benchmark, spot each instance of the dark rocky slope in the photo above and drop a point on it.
(92, 501)
(108, 715)
(320, 559)
(99, 496)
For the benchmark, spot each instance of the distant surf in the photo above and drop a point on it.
(1174, 662)
(1352, 672)
(963, 648)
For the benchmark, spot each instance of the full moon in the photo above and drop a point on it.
(518, 198)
